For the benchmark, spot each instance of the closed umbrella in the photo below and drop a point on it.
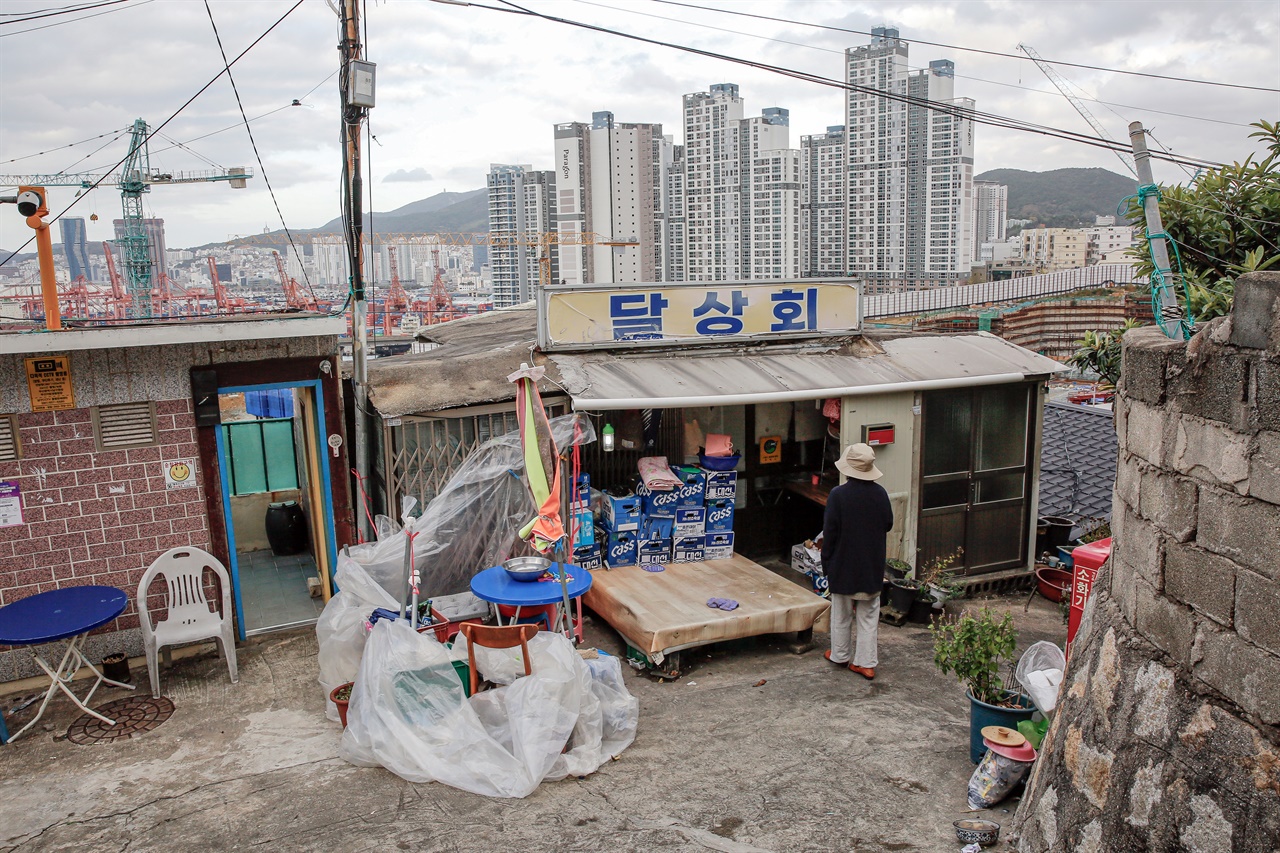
(545, 532)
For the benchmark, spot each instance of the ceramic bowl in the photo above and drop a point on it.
(982, 832)
(526, 568)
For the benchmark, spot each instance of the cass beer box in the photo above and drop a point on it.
(619, 547)
(690, 521)
(690, 549)
(719, 546)
(620, 512)
(693, 486)
(658, 503)
(654, 552)
(586, 532)
(588, 557)
(580, 497)
(720, 516)
(721, 485)
(655, 527)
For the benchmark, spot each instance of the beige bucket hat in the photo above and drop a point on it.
(859, 462)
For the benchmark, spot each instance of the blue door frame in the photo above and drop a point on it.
(331, 542)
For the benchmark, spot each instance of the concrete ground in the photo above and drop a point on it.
(753, 749)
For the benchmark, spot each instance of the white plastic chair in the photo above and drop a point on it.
(189, 617)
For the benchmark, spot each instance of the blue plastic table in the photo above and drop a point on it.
(496, 586)
(60, 614)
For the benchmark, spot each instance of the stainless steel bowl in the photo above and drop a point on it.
(526, 568)
(971, 830)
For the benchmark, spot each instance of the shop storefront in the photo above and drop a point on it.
(954, 419)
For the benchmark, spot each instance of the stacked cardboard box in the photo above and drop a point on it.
(687, 524)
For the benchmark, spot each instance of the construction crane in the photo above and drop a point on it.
(119, 298)
(396, 299)
(1065, 88)
(293, 296)
(135, 178)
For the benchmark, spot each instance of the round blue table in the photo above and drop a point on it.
(496, 586)
(60, 614)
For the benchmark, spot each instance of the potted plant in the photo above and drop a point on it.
(341, 696)
(897, 595)
(973, 649)
(938, 583)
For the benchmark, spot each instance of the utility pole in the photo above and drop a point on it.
(354, 110)
(1168, 312)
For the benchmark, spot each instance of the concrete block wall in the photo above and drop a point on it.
(1168, 733)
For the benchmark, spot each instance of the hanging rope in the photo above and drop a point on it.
(1166, 304)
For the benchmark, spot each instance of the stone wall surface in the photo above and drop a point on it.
(1167, 735)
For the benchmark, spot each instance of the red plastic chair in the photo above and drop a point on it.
(496, 637)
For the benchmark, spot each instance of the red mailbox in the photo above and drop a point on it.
(1087, 559)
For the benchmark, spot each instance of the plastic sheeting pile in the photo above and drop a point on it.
(471, 525)
(408, 713)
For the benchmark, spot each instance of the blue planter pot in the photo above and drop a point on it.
(982, 715)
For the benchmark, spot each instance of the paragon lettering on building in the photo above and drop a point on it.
(647, 314)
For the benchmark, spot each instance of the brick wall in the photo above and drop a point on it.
(1167, 734)
(95, 518)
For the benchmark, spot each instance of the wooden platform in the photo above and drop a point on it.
(662, 612)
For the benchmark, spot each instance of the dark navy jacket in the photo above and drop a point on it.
(857, 520)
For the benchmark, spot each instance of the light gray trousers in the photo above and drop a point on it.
(842, 607)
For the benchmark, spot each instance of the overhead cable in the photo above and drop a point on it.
(75, 20)
(1148, 74)
(977, 116)
(249, 130)
(80, 196)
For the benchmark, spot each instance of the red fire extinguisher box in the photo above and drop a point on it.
(1087, 559)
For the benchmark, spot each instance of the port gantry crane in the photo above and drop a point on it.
(136, 176)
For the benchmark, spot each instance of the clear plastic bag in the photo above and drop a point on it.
(340, 629)
(1040, 673)
(473, 522)
(408, 713)
(993, 779)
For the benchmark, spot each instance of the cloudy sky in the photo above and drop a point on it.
(460, 87)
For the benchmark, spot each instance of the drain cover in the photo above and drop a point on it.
(133, 715)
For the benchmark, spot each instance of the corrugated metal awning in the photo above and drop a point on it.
(606, 381)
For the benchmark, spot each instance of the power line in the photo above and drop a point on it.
(973, 49)
(1107, 104)
(65, 10)
(75, 20)
(245, 118)
(976, 116)
(117, 133)
(162, 124)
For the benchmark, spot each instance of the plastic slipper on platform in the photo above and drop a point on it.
(728, 604)
(654, 568)
(715, 602)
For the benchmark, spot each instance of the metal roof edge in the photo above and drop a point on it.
(121, 337)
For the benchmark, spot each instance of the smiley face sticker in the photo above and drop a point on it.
(180, 474)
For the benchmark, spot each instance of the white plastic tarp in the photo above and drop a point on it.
(408, 713)
(340, 629)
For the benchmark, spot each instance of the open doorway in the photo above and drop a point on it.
(276, 504)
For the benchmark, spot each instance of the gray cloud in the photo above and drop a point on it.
(407, 176)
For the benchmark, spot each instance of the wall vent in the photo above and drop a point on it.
(125, 425)
(10, 449)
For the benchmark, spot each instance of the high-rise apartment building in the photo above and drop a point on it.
(75, 244)
(910, 169)
(741, 190)
(675, 215)
(823, 213)
(155, 242)
(522, 209)
(612, 180)
(712, 188)
(990, 214)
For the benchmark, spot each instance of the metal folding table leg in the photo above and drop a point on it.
(71, 661)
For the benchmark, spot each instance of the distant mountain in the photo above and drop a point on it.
(446, 211)
(1062, 198)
